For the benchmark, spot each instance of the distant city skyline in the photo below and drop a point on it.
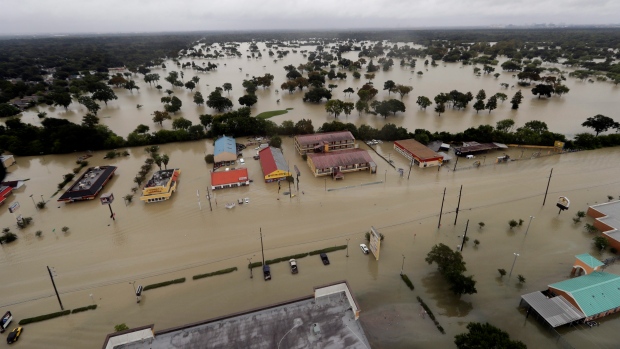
(116, 16)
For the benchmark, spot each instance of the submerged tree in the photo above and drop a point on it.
(485, 336)
(423, 102)
(516, 100)
(600, 123)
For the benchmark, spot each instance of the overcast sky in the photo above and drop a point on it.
(98, 16)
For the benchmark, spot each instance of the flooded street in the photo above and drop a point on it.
(149, 243)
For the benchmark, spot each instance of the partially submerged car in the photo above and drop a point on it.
(266, 272)
(324, 258)
(293, 263)
(364, 248)
(14, 335)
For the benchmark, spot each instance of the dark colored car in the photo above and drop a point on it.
(14, 335)
(266, 272)
(324, 258)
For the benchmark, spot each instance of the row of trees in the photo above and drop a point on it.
(62, 136)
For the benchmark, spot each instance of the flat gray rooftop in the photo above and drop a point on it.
(326, 322)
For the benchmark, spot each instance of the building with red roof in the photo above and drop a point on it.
(229, 179)
(324, 142)
(336, 163)
(418, 153)
(5, 191)
(273, 164)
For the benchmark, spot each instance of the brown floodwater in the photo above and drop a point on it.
(562, 114)
(163, 241)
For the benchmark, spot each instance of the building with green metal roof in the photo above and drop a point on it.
(596, 294)
(586, 264)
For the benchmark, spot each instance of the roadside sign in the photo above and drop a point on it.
(107, 199)
(375, 242)
(14, 206)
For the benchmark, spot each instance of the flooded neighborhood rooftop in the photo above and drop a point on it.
(326, 320)
(160, 178)
(89, 184)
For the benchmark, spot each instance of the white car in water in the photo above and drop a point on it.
(364, 248)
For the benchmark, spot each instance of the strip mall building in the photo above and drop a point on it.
(417, 152)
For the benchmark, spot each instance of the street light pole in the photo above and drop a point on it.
(35, 205)
(402, 266)
(513, 264)
(348, 247)
(134, 286)
(528, 225)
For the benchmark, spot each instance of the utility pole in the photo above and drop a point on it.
(458, 206)
(464, 235)
(402, 266)
(348, 247)
(198, 195)
(549, 182)
(441, 209)
(456, 162)
(55, 290)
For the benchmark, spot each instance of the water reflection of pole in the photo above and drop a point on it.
(513, 264)
(441, 209)
(546, 191)
(458, 206)
(55, 290)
